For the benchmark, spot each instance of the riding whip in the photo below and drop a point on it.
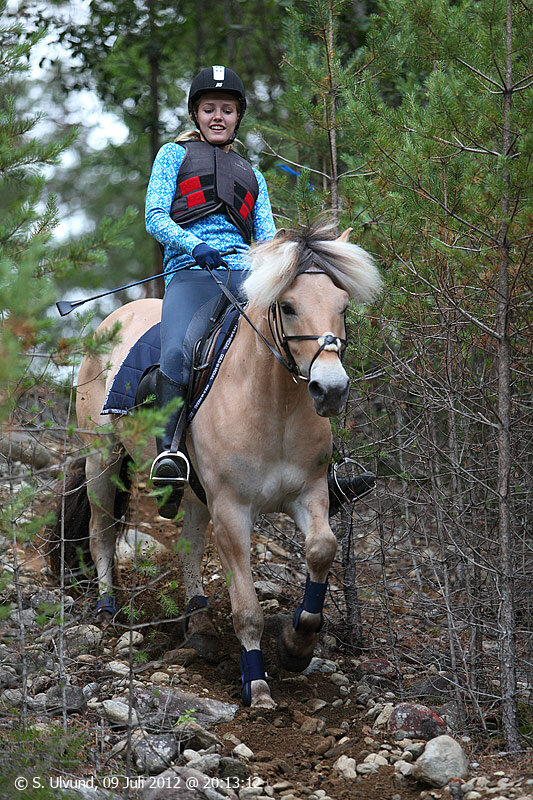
(66, 306)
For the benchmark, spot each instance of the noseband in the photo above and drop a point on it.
(326, 341)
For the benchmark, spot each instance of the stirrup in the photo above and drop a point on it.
(178, 481)
(345, 478)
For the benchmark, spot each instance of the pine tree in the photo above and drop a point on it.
(421, 140)
(442, 114)
(318, 39)
(31, 261)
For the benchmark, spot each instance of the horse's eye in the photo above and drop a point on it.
(288, 310)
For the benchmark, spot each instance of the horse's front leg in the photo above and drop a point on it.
(233, 527)
(297, 640)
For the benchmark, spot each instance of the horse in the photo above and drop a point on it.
(261, 442)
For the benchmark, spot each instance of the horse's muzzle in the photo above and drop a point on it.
(329, 390)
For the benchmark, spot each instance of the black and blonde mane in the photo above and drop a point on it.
(276, 264)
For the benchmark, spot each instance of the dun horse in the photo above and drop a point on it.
(260, 442)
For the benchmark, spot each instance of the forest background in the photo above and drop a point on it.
(410, 121)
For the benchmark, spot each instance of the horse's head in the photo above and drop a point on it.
(305, 280)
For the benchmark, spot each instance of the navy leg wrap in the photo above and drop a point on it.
(313, 602)
(106, 602)
(252, 669)
(194, 604)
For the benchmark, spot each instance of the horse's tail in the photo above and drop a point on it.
(73, 515)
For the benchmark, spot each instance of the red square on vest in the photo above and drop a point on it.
(249, 200)
(190, 185)
(195, 199)
(244, 211)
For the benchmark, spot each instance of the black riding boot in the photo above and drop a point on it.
(169, 468)
(347, 490)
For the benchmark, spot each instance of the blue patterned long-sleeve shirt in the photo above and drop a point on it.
(215, 230)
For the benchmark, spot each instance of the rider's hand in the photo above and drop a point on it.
(206, 256)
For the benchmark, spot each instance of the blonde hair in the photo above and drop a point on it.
(188, 136)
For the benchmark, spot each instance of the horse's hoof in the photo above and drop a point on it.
(205, 645)
(295, 648)
(104, 618)
(260, 695)
(291, 662)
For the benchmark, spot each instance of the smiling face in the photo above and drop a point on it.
(217, 116)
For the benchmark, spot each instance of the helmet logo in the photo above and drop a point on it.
(218, 85)
(219, 73)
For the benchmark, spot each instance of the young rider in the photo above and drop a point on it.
(202, 199)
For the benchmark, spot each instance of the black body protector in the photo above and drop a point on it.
(210, 180)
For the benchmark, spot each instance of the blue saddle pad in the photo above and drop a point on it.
(144, 353)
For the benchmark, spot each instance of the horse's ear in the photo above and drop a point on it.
(345, 235)
(280, 232)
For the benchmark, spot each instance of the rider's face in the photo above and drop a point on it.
(217, 117)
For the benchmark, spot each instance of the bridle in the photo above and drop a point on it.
(327, 341)
(281, 351)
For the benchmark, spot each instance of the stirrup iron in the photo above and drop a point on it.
(179, 482)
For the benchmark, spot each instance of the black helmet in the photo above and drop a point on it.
(217, 79)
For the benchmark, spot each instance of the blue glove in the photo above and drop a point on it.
(206, 256)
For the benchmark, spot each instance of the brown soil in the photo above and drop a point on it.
(283, 752)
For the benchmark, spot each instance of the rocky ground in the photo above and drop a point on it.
(341, 730)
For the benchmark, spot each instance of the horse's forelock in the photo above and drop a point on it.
(277, 262)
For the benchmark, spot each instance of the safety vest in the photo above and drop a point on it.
(211, 179)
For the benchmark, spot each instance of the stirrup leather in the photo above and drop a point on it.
(179, 482)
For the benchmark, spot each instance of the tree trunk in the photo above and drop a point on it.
(157, 288)
(332, 120)
(349, 584)
(506, 610)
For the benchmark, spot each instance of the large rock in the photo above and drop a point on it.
(82, 639)
(320, 665)
(166, 706)
(119, 713)
(375, 666)
(75, 702)
(433, 686)
(195, 737)
(417, 721)
(345, 766)
(136, 544)
(442, 760)
(267, 590)
(154, 754)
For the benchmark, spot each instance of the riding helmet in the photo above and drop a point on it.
(217, 79)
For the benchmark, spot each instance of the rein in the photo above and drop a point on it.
(326, 341)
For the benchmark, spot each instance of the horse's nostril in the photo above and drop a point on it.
(316, 390)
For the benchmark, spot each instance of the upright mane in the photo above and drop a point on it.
(276, 263)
